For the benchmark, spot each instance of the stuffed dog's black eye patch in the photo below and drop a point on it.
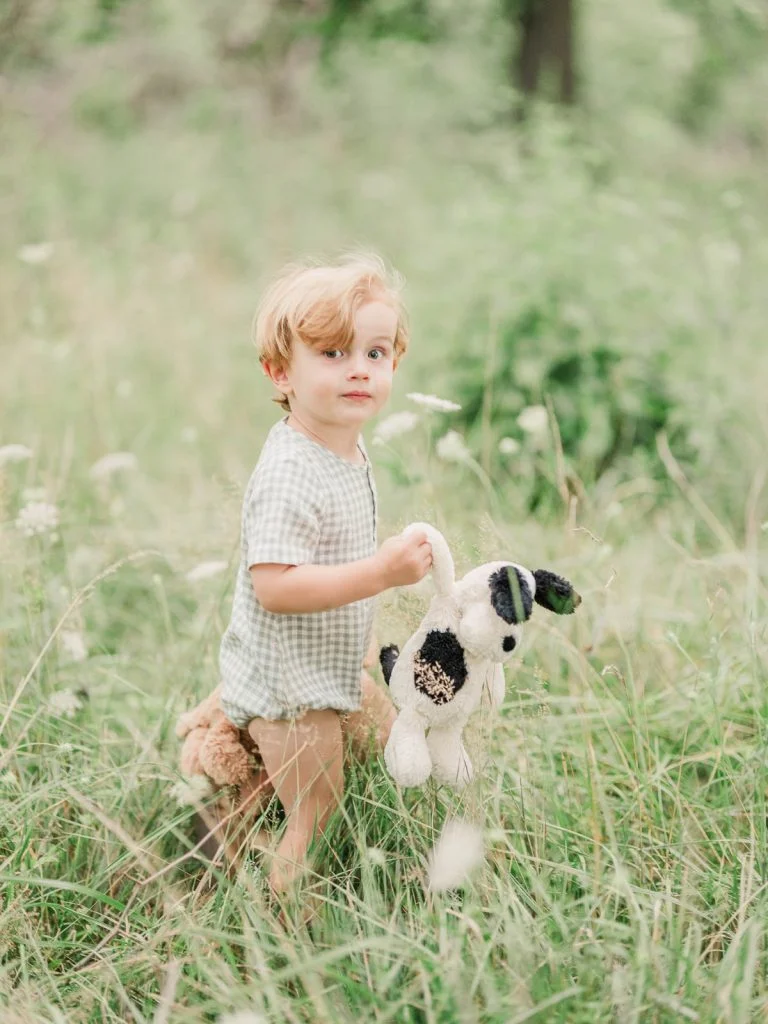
(509, 643)
(510, 595)
(439, 669)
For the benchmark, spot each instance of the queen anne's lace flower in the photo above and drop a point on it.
(534, 419)
(115, 462)
(452, 448)
(205, 570)
(433, 402)
(14, 453)
(456, 854)
(509, 446)
(73, 644)
(393, 426)
(64, 704)
(35, 253)
(37, 518)
(243, 1017)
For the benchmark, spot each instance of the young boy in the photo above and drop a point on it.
(329, 338)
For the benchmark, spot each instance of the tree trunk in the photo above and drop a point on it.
(546, 29)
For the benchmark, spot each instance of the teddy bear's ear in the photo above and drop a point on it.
(555, 593)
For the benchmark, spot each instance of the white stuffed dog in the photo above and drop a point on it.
(471, 628)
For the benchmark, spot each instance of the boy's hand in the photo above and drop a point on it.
(405, 559)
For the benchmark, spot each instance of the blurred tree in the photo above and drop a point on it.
(13, 14)
(546, 43)
(733, 35)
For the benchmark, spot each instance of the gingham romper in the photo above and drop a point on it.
(303, 504)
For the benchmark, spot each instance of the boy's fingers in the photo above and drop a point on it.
(419, 537)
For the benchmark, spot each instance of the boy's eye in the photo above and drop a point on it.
(332, 353)
(377, 353)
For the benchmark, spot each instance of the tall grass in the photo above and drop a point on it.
(621, 792)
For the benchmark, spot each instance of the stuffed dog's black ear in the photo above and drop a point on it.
(510, 595)
(555, 593)
(387, 658)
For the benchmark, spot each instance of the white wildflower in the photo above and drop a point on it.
(37, 518)
(395, 425)
(456, 854)
(242, 1017)
(433, 402)
(509, 446)
(189, 435)
(73, 644)
(613, 509)
(66, 748)
(192, 790)
(35, 253)
(205, 570)
(376, 856)
(124, 388)
(14, 453)
(115, 462)
(64, 704)
(452, 448)
(764, 526)
(534, 419)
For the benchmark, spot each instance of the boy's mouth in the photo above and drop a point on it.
(358, 395)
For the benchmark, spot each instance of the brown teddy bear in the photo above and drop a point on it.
(226, 756)
(213, 746)
(216, 750)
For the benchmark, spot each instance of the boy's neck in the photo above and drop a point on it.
(342, 441)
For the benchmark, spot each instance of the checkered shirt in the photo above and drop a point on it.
(303, 504)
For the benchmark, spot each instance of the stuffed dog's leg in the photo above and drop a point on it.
(406, 754)
(450, 762)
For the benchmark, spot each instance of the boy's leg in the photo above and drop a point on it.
(366, 731)
(226, 826)
(304, 760)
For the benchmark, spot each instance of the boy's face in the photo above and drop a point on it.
(334, 388)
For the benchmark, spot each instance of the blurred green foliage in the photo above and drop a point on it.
(609, 405)
(728, 40)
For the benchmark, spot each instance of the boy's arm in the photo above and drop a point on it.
(302, 589)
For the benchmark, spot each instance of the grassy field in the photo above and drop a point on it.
(622, 793)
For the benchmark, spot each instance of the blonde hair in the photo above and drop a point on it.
(315, 304)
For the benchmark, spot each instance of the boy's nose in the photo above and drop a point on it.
(358, 368)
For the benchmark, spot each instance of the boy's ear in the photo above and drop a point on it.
(555, 593)
(278, 376)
